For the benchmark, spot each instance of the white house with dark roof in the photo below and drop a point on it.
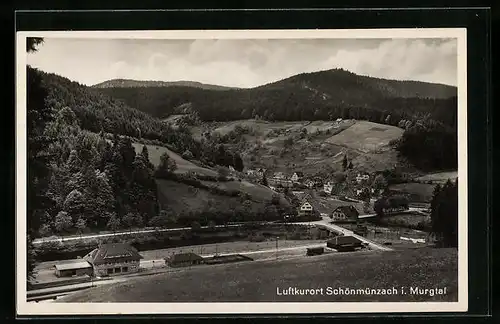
(113, 258)
(328, 187)
(305, 208)
(362, 177)
(297, 176)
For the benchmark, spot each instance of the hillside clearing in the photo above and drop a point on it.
(183, 198)
(183, 166)
(417, 192)
(256, 191)
(258, 281)
(439, 177)
(366, 136)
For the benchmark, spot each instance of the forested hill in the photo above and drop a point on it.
(308, 96)
(97, 112)
(128, 83)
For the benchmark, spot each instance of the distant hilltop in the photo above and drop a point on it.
(129, 83)
(306, 96)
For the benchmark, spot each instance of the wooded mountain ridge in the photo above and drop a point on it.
(307, 96)
(129, 83)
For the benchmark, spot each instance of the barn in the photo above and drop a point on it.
(72, 269)
(344, 243)
(183, 260)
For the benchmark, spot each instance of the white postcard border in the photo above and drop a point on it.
(25, 308)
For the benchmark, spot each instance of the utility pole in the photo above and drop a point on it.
(277, 237)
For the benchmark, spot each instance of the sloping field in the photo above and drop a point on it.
(183, 198)
(418, 192)
(257, 191)
(439, 177)
(183, 166)
(258, 281)
(366, 136)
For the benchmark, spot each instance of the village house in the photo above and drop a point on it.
(345, 214)
(297, 176)
(306, 209)
(362, 177)
(279, 176)
(310, 183)
(260, 172)
(183, 260)
(113, 258)
(250, 172)
(328, 187)
(73, 268)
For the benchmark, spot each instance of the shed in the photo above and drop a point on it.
(76, 268)
(183, 260)
(315, 250)
(344, 243)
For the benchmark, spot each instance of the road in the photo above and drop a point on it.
(417, 210)
(160, 262)
(143, 231)
(76, 238)
(326, 223)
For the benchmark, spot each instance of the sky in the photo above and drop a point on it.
(245, 63)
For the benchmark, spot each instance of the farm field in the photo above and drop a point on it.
(417, 192)
(182, 198)
(366, 136)
(183, 166)
(257, 191)
(439, 177)
(258, 281)
(265, 145)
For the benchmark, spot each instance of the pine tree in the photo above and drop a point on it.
(128, 220)
(74, 204)
(63, 222)
(344, 162)
(80, 225)
(45, 230)
(444, 214)
(104, 200)
(264, 180)
(113, 223)
(167, 164)
(145, 155)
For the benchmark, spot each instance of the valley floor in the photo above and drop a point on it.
(261, 281)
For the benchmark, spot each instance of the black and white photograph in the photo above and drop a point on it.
(258, 171)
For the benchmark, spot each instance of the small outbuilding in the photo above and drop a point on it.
(315, 251)
(344, 243)
(183, 260)
(73, 269)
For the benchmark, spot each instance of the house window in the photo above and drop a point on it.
(124, 269)
(110, 270)
(118, 270)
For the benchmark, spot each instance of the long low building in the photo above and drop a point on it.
(71, 269)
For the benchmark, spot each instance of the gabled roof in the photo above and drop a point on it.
(113, 252)
(349, 211)
(184, 257)
(344, 240)
(81, 264)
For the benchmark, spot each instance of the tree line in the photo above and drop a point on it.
(444, 213)
(97, 112)
(316, 96)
